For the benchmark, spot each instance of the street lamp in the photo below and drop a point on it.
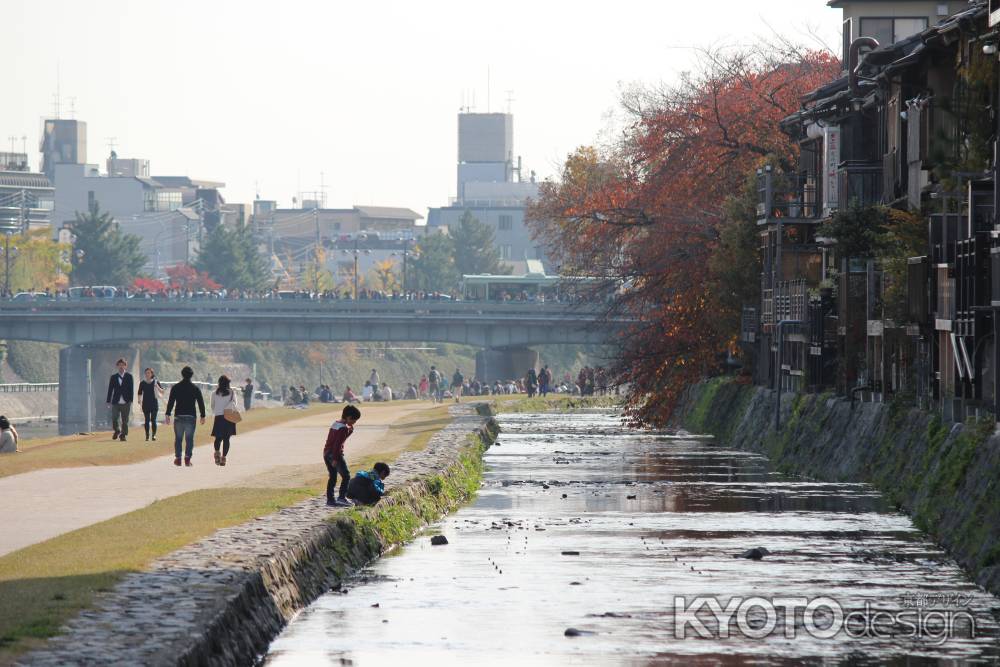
(356, 251)
(405, 254)
(8, 252)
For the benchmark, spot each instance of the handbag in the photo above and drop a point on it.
(232, 414)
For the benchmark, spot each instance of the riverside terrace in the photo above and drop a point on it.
(97, 332)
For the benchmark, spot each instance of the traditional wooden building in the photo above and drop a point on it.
(912, 127)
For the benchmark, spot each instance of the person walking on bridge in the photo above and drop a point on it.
(120, 393)
(150, 391)
(184, 395)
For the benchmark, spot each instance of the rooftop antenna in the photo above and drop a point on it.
(510, 100)
(12, 139)
(24, 145)
(56, 101)
(322, 191)
(72, 107)
(111, 143)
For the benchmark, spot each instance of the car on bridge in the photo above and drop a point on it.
(32, 296)
(93, 292)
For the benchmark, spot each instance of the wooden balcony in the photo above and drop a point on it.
(788, 198)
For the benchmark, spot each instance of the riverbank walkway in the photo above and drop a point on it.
(42, 504)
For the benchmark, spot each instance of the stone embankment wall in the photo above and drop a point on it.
(221, 601)
(945, 476)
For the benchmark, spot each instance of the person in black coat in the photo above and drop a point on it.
(120, 394)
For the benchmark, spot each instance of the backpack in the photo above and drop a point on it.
(434, 377)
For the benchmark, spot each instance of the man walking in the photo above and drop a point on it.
(434, 381)
(120, 394)
(185, 395)
(247, 395)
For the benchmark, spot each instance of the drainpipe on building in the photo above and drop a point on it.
(777, 373)
(853, 61)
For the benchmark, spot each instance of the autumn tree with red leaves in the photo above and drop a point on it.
(660, 214)
(187, 278)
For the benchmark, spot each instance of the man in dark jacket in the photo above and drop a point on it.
(120, 394)
(185, 395)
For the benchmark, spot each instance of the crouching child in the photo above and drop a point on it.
(333, 456)
(367, 487)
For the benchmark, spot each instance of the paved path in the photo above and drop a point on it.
(42, 504)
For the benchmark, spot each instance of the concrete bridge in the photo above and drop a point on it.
(96, 332)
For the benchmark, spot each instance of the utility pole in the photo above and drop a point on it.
(22, 216)
(6, 258)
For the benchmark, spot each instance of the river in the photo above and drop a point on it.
(629, 538)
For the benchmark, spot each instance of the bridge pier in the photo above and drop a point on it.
(505, 363)
(96, 363)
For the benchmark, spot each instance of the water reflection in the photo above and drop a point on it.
(581, 524)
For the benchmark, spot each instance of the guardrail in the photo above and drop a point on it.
(28, 387)
(304, 306)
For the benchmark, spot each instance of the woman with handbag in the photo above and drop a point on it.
(226, 413)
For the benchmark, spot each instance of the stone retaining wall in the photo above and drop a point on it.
(945, 476)
(221, 601)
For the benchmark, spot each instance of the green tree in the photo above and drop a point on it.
(433, 270)
(231, 258)
(102, 253)
(475, 248)
(858, 231)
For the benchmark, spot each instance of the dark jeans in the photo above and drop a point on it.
(120, 413)
(149, 415)
(184, 430)
(225, 444)
(335, 465)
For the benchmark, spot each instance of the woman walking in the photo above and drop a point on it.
(150, 391)
(223, 400)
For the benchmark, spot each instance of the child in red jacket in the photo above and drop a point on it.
(333, 456)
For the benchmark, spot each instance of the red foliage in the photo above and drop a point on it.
(647, 213)
(186, 277)
(151, 285)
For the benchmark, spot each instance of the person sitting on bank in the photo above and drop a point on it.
(8, 437)
(368, 487)
(350, 396)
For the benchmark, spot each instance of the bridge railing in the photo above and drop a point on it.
(304, 306)
(12, 387)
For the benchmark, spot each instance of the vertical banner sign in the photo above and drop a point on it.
(831, 158)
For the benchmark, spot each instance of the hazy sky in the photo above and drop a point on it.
(273, 93)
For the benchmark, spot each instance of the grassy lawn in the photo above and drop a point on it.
(98, 448)
(45, 585)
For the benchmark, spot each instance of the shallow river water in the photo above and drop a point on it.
(629, 537)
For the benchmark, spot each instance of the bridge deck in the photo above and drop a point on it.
(481, 323)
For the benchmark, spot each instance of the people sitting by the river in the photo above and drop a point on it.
(367, 392)
(350, 396)
(411, 392)
(368, 486)
(333, 455)
(304, 400)
(294, 396)
(325, 395)
(8, 437)
(386, 392)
